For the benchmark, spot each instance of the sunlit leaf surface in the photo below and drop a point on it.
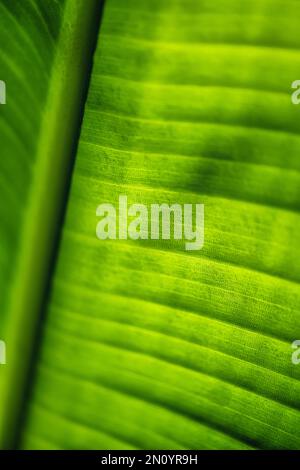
(146, 345)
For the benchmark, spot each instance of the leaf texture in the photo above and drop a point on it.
(146, 345)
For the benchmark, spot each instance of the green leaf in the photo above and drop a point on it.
(146, 345)
(45, 67)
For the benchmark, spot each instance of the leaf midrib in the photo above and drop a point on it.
(40, 234)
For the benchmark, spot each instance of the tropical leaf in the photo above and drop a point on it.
(144, 344)
(45, 65)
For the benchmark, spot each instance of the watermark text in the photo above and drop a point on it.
(155, 221)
